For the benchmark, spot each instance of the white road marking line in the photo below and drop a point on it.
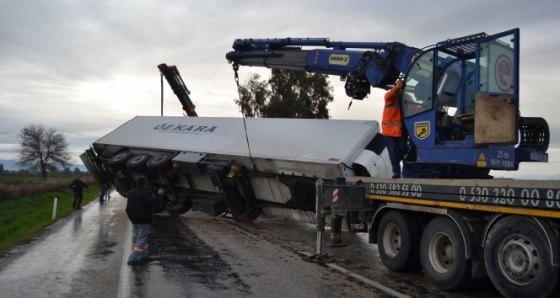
(124, 277)
(361, 278)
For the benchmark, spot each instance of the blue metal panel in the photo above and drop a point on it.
(502, 158)
(526, 154)
(492, 157)
(447, 156)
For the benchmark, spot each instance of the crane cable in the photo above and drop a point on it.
(236, 78)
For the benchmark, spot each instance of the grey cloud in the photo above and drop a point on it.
(60, 59)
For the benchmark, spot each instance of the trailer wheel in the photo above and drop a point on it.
(160, 163)
(138, 162)
(250, 215)
(118, 160)
(518, 258)
(398, 241)
(176, 209)
(442, 254)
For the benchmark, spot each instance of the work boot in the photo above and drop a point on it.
(135, 262)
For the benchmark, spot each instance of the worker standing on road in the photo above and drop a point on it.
(392, 129)
(139, 210)
(77, 187)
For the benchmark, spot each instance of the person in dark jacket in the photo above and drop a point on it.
(139, 205)
(103, 192)
(77, 187)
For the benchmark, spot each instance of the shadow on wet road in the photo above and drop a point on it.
(186, 263)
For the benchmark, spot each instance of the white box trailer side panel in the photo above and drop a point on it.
(301, 140)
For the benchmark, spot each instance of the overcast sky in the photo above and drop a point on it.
(86, 67)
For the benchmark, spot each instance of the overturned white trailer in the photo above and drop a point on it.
(244, 166)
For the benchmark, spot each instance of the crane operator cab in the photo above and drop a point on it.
(461, 109)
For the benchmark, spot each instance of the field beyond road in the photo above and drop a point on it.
(26, 205)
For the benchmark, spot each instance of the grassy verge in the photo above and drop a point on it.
(24, 216)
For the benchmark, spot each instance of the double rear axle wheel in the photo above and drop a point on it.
(517, 253)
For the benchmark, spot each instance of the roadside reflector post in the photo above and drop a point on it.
(54, 208)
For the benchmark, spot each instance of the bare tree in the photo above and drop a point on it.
(43, 149)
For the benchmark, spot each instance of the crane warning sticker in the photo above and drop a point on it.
(422, 129)
(339, 59)
(481, 161)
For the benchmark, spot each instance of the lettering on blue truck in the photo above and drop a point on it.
(511, 196)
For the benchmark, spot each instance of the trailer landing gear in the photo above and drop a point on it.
(320, 213)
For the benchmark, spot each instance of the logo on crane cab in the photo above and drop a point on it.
(504, 73)
(422, 129)
(339, 59)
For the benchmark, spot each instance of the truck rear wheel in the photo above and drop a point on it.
(137, 163)
(118, 161)
(176, 209)
(442, 254)
(398, 241)
(518, 258)
(160, 163)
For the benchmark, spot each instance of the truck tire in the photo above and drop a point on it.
(398, 241)
(518, 259)
(250, 214)
(442, 254)
(138, 162)
(160, 163)
(176, 209)
(118, 161)
(121, 187)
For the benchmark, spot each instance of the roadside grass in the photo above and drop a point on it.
(26, 206)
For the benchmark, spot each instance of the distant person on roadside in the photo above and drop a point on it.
(139, 204)
(77, 187)
(103, 192)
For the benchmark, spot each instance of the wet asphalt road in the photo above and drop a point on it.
(196, 255)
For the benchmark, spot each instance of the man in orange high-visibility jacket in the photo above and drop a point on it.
(394, 134)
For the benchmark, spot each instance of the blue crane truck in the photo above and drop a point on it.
(460, 106)
(447, 215)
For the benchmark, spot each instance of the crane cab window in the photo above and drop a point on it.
(455, 89)
(448, 86)
(417, 95)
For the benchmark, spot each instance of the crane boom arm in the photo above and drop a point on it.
(361, 64)
(171, 74)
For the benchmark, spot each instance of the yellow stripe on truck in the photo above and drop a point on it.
(468, 206)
